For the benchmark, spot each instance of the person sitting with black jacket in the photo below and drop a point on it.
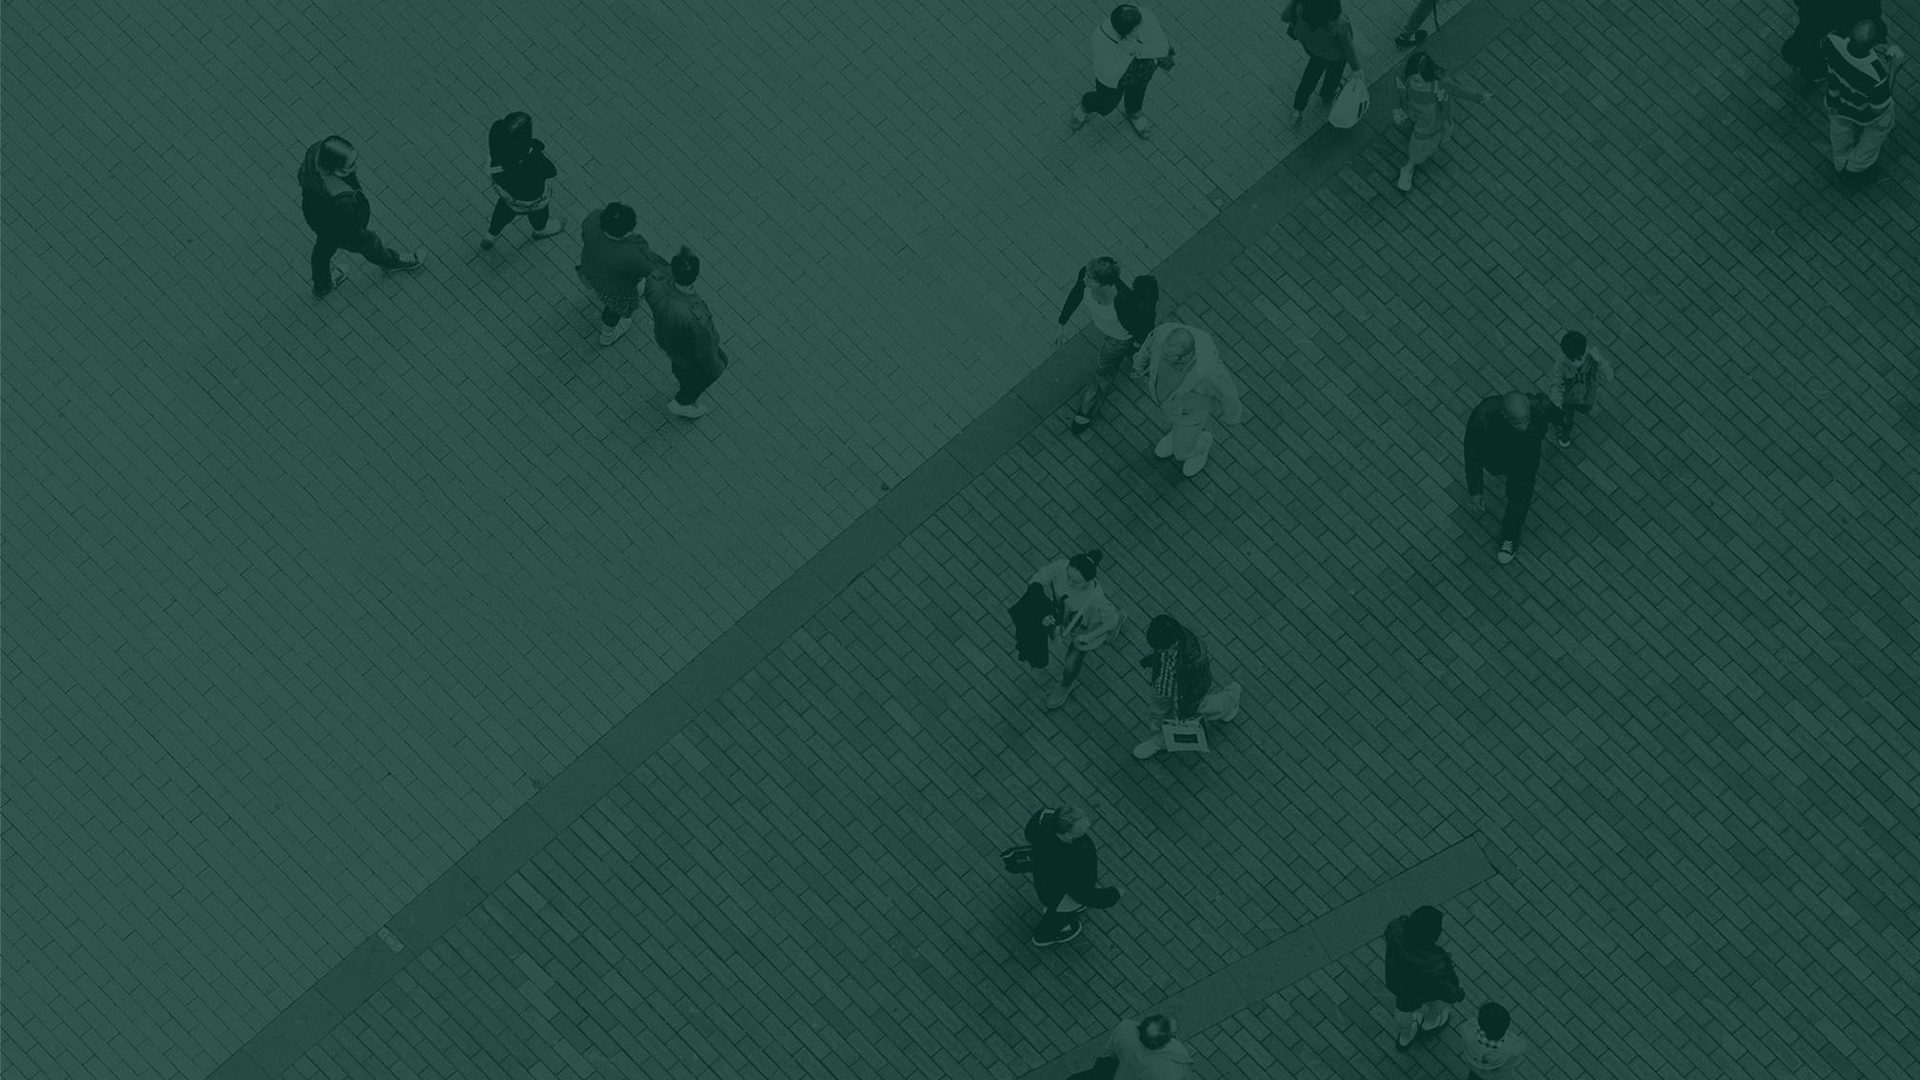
(1066, 873)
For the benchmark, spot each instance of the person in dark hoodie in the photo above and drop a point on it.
(683, 328)
(1504, 433)
(337, 211)
(1066, 874)
(614, 260)
(1420, 976)
(521, 170)
(1123, 316)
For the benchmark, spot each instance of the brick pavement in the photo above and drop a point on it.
(307, 598)
(1699, 637)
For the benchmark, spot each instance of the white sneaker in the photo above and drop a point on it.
(692, 412)
(1165, 447)
(1149, 748)
(611, 334)
(1199, 459)
(1405, 183)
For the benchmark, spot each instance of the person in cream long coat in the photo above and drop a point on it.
(1185, 378)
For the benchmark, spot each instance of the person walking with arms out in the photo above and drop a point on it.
(520, 171)
(1426, 103)
(1324, 32)
(336, 209)
(1122, 315)
(1574, 382)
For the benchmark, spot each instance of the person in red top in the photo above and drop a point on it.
(337, 211)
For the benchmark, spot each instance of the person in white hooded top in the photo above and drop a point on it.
(1185, 378)
(1128, 47)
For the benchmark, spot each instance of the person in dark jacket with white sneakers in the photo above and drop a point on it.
(1504, 433)
(1066, 874)
(1420, 976)
(337, 211)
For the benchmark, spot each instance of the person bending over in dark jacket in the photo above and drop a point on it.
(1066, 874)
(337, 211)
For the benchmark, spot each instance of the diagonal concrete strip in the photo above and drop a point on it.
(1295, 956)
(657, 720)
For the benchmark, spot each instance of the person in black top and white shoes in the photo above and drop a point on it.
(520, 170)
(1066, 874)
(1504, 433)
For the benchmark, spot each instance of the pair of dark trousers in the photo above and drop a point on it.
(1325, 72)
(1102, 98)
(1566, 418)
(503, 213)
(1519, 500)
(695, 378)
(365, 243)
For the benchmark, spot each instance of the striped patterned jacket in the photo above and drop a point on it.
(1859, 88)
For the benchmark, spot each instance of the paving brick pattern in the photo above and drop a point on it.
(1679, 721)
(1682, 722)
(305, 598)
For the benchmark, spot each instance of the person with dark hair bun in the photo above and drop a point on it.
(1082, 619)
(683, 328)
(337, 211)
(614, 260)
(520, 171)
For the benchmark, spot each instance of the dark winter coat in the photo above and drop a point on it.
(332, 205)
(525, 180)
(1064, 868)
(1418, 974)
(1492, 445)
(614, 266)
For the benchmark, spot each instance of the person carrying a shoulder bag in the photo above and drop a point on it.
(1066, 873)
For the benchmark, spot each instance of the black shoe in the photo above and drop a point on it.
(410, 261)
(1061, 936)
(1411, 38)
(1080, 425)
(339, 275)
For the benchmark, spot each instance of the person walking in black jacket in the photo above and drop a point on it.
(520, 171)
(337, 211)
(1420, 976)
(1504, 434)
(1066, 874)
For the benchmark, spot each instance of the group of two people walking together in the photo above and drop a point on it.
(616, 265)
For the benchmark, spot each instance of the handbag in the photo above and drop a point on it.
(1018, 859)
(1352, 103)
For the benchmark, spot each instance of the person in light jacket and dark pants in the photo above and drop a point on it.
(683, 328)
(1066, 874)
(1128, 47)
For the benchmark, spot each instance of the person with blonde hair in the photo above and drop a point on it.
(1185, 378)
